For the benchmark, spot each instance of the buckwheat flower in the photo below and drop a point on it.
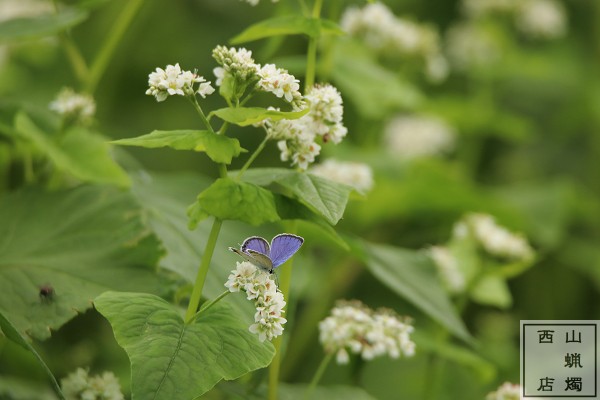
(470, 46)
(297, 138)
(447, 267)
(279, 82)
(173, 81)
(326, 113)
(268, 300)
(507, 391)
(389, 35)
(357, 175)
(541, 19)
(497, 240)
(73, 105)
(235, 62)
(80, 386)
(354, 328)
(410, 137)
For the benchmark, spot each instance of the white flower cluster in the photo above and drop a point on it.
(173, 81)
(495, 239)
(357, 175)
(469, 46)
(80, 386)
(279, 82)
(387, 34)
(541, 19)
(356, 328)
(537, 19)
(267, 298)
(410, 137)
(238, 64)
(73, 105)
(297, 137)
(447, 266)
(507, 391)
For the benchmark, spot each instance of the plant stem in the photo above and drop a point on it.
(203, 270)
(285, 280)
(311, 56)
(260, 148)
(106, 52)
(73, 54)
(213, 302)
(318, 374)
(194, 102)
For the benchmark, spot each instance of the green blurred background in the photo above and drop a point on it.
(527, 151)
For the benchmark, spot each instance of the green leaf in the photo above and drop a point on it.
(412, 275)
(13, 334)
(219, 148)
(323, 196)
(292, 209)
(375, 90)
(492, 290)
(79, 152)
(43, 25)
(80, 242)
(174, 360)
(244, 116)
(230, 199)
(287, 25)
(460, 355)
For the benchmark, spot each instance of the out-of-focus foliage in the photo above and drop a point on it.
(467, 108)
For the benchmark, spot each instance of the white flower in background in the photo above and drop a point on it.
(495, 239)
(279, 82)
(73, 105)
(297, 138)
(173, 81)
(507, 391)
(481, 8)
(447, 266)
(541, 19)
(392, 36)
(410, 137)
(353, 327)
(357, 175)
(268, 300)
(80, 386)
(11, 9)
(470, 46)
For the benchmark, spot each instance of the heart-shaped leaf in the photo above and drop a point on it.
(219, 148)
(287, 25)
(323, 196)
(60, 250)
(244, 116)
(231, 199)
(174, 360)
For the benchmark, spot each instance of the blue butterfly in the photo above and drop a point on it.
(268, 257)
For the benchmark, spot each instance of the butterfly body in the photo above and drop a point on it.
(267, 256)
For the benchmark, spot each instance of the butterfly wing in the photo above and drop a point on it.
(284, 246)
(260, 260)
(257, 244)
